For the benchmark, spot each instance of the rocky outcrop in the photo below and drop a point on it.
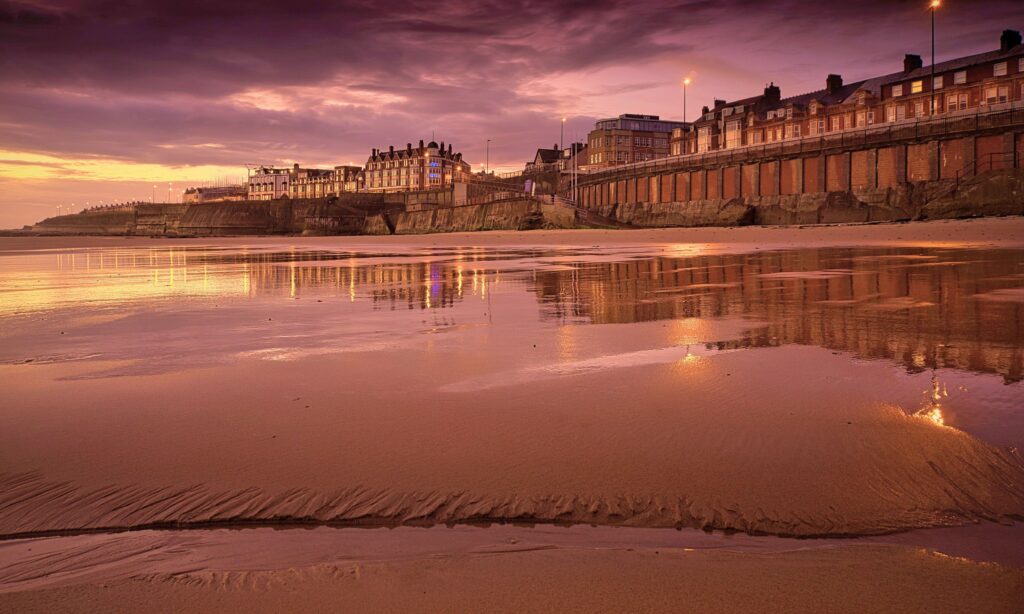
(718, 212)
(521, 214)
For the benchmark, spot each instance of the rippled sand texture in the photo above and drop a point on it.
(798, 392)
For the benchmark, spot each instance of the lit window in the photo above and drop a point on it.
(897, 90)
(999, 70)
(959, 78)
(917, 87)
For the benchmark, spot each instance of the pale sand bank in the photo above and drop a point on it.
(1002, 232)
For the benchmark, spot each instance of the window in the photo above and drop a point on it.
(754, 137)
(937, 83)
(901, 112)
(919, 108)
(817, 126)
(703, 139)
(789, 113)
(833, 124)
(890, 113)
(732, 134)
(622, 156)
(956, 102)
(999, 70)
(960, 77)
(995, 95)
(861, 118)
(897, 90)
(916, 87)
(792, 131)
(642, 141)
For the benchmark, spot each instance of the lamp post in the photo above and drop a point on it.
(933, 6)
(487, 158)
(561, 137)
(686, 82)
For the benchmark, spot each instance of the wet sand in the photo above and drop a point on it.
(772, 383)
(509, 578)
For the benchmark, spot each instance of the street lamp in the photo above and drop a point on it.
(686, 82)
(487, 158)
(933, 6)
(561, 137)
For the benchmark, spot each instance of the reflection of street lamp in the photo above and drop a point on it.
(933, 6)
(686, 82)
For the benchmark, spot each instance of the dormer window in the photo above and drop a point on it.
(897, 90)
(999, 70)
(960, 77)
(814, 108)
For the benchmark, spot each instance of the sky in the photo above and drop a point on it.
(101, 100)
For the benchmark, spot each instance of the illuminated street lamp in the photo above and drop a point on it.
(686, 82)
(933, 7)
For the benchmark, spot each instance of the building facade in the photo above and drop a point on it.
(414, 168)
(268, 183)
(967, 85)
(629, 138)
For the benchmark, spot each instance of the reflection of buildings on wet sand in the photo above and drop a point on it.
(388, 284)
(922, 311)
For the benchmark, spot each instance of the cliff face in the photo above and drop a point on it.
(509, 215)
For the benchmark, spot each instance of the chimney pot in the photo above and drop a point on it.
(1009, 40)
(833, 83)
(772, 92)
(911, 62)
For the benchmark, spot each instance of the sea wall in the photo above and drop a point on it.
(993, 193)
(954, 167)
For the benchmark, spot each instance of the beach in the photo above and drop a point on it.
(779, 419)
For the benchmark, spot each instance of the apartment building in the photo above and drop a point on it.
(414, 168)
(629, 138)
(964, 85)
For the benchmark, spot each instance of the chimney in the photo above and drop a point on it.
(772, 92)
(719, 103)
(421, 143)
(408, 147)
(391, 148)
(705, 110)
(449, 149)
(833, 83)
(911, 62)
(1009, 40)
(296, 167)
(441, 148)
